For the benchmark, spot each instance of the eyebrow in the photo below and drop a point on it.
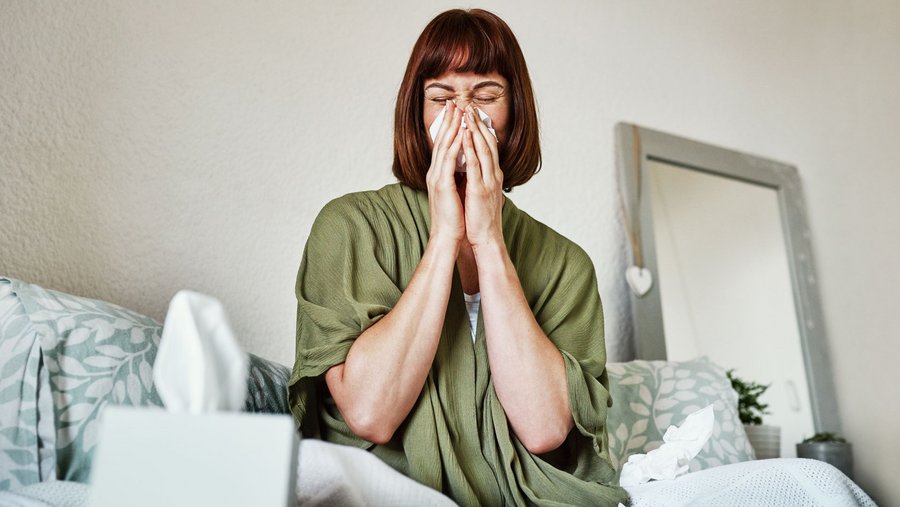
(478, 86)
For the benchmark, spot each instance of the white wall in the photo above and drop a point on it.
(151, 146)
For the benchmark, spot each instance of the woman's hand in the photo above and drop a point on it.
(447, 219)
(484, 183)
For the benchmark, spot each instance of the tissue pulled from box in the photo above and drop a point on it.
(199, 367)
(673, 457)
(436, 126)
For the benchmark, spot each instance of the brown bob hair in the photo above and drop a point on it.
(476, 41)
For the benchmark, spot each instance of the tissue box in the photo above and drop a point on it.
(149, 457)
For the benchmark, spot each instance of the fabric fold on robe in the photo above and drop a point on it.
(361, 253)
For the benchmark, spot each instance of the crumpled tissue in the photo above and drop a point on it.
(673, 457)
(199, 366)
(436, 126)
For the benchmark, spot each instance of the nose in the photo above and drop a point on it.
(462, 102)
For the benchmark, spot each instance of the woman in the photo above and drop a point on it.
(505, 405)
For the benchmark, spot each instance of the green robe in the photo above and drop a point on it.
(360, 256)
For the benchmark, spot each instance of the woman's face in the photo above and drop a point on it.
(488, 92)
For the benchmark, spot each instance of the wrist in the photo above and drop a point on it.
(444, 244)
(492, 247)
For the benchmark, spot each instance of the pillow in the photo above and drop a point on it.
(95, 353)
(648, 396)
(90, 353)
(27, 454)
(267, 387)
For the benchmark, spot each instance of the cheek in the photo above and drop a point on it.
(502, 132)
(429, 117)
(499, 120)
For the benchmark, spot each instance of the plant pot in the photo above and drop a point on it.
(765, 439)
(838, 454)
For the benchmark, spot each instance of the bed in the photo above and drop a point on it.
(63, 358)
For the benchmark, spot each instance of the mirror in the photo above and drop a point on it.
(723, 235)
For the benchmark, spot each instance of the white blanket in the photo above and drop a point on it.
(330, 474)
(327, 475)
(771, 482)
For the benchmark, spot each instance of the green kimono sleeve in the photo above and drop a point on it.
(567, 306)
(580, 338)
(341, 290)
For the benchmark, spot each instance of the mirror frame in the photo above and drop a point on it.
(649, 336)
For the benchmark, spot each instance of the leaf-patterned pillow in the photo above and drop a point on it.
(96, 353)
(267, 386)
(27, 435)
(649, 396)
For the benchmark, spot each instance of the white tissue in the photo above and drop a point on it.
(436, 126)
(673, 457)
(199, 367)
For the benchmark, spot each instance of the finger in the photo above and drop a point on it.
(493, 146)
(484, 154)
(452, 121)
(491, 141)
(436, 145)
(443, 167)
(443, 128)
(454, 135)
(448, 164)
(473, 165)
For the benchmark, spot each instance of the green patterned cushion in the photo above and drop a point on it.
(267, 386)
(648, 396)
(95, 353)
(27, 437)
(88, 353)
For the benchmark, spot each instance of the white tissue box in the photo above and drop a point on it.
(149, 457)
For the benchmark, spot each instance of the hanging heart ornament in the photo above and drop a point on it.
(639, 279)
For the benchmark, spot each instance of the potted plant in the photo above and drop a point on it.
(830, 448)
(765, 439)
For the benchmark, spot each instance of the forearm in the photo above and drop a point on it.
(528, 371)
(385, 369)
